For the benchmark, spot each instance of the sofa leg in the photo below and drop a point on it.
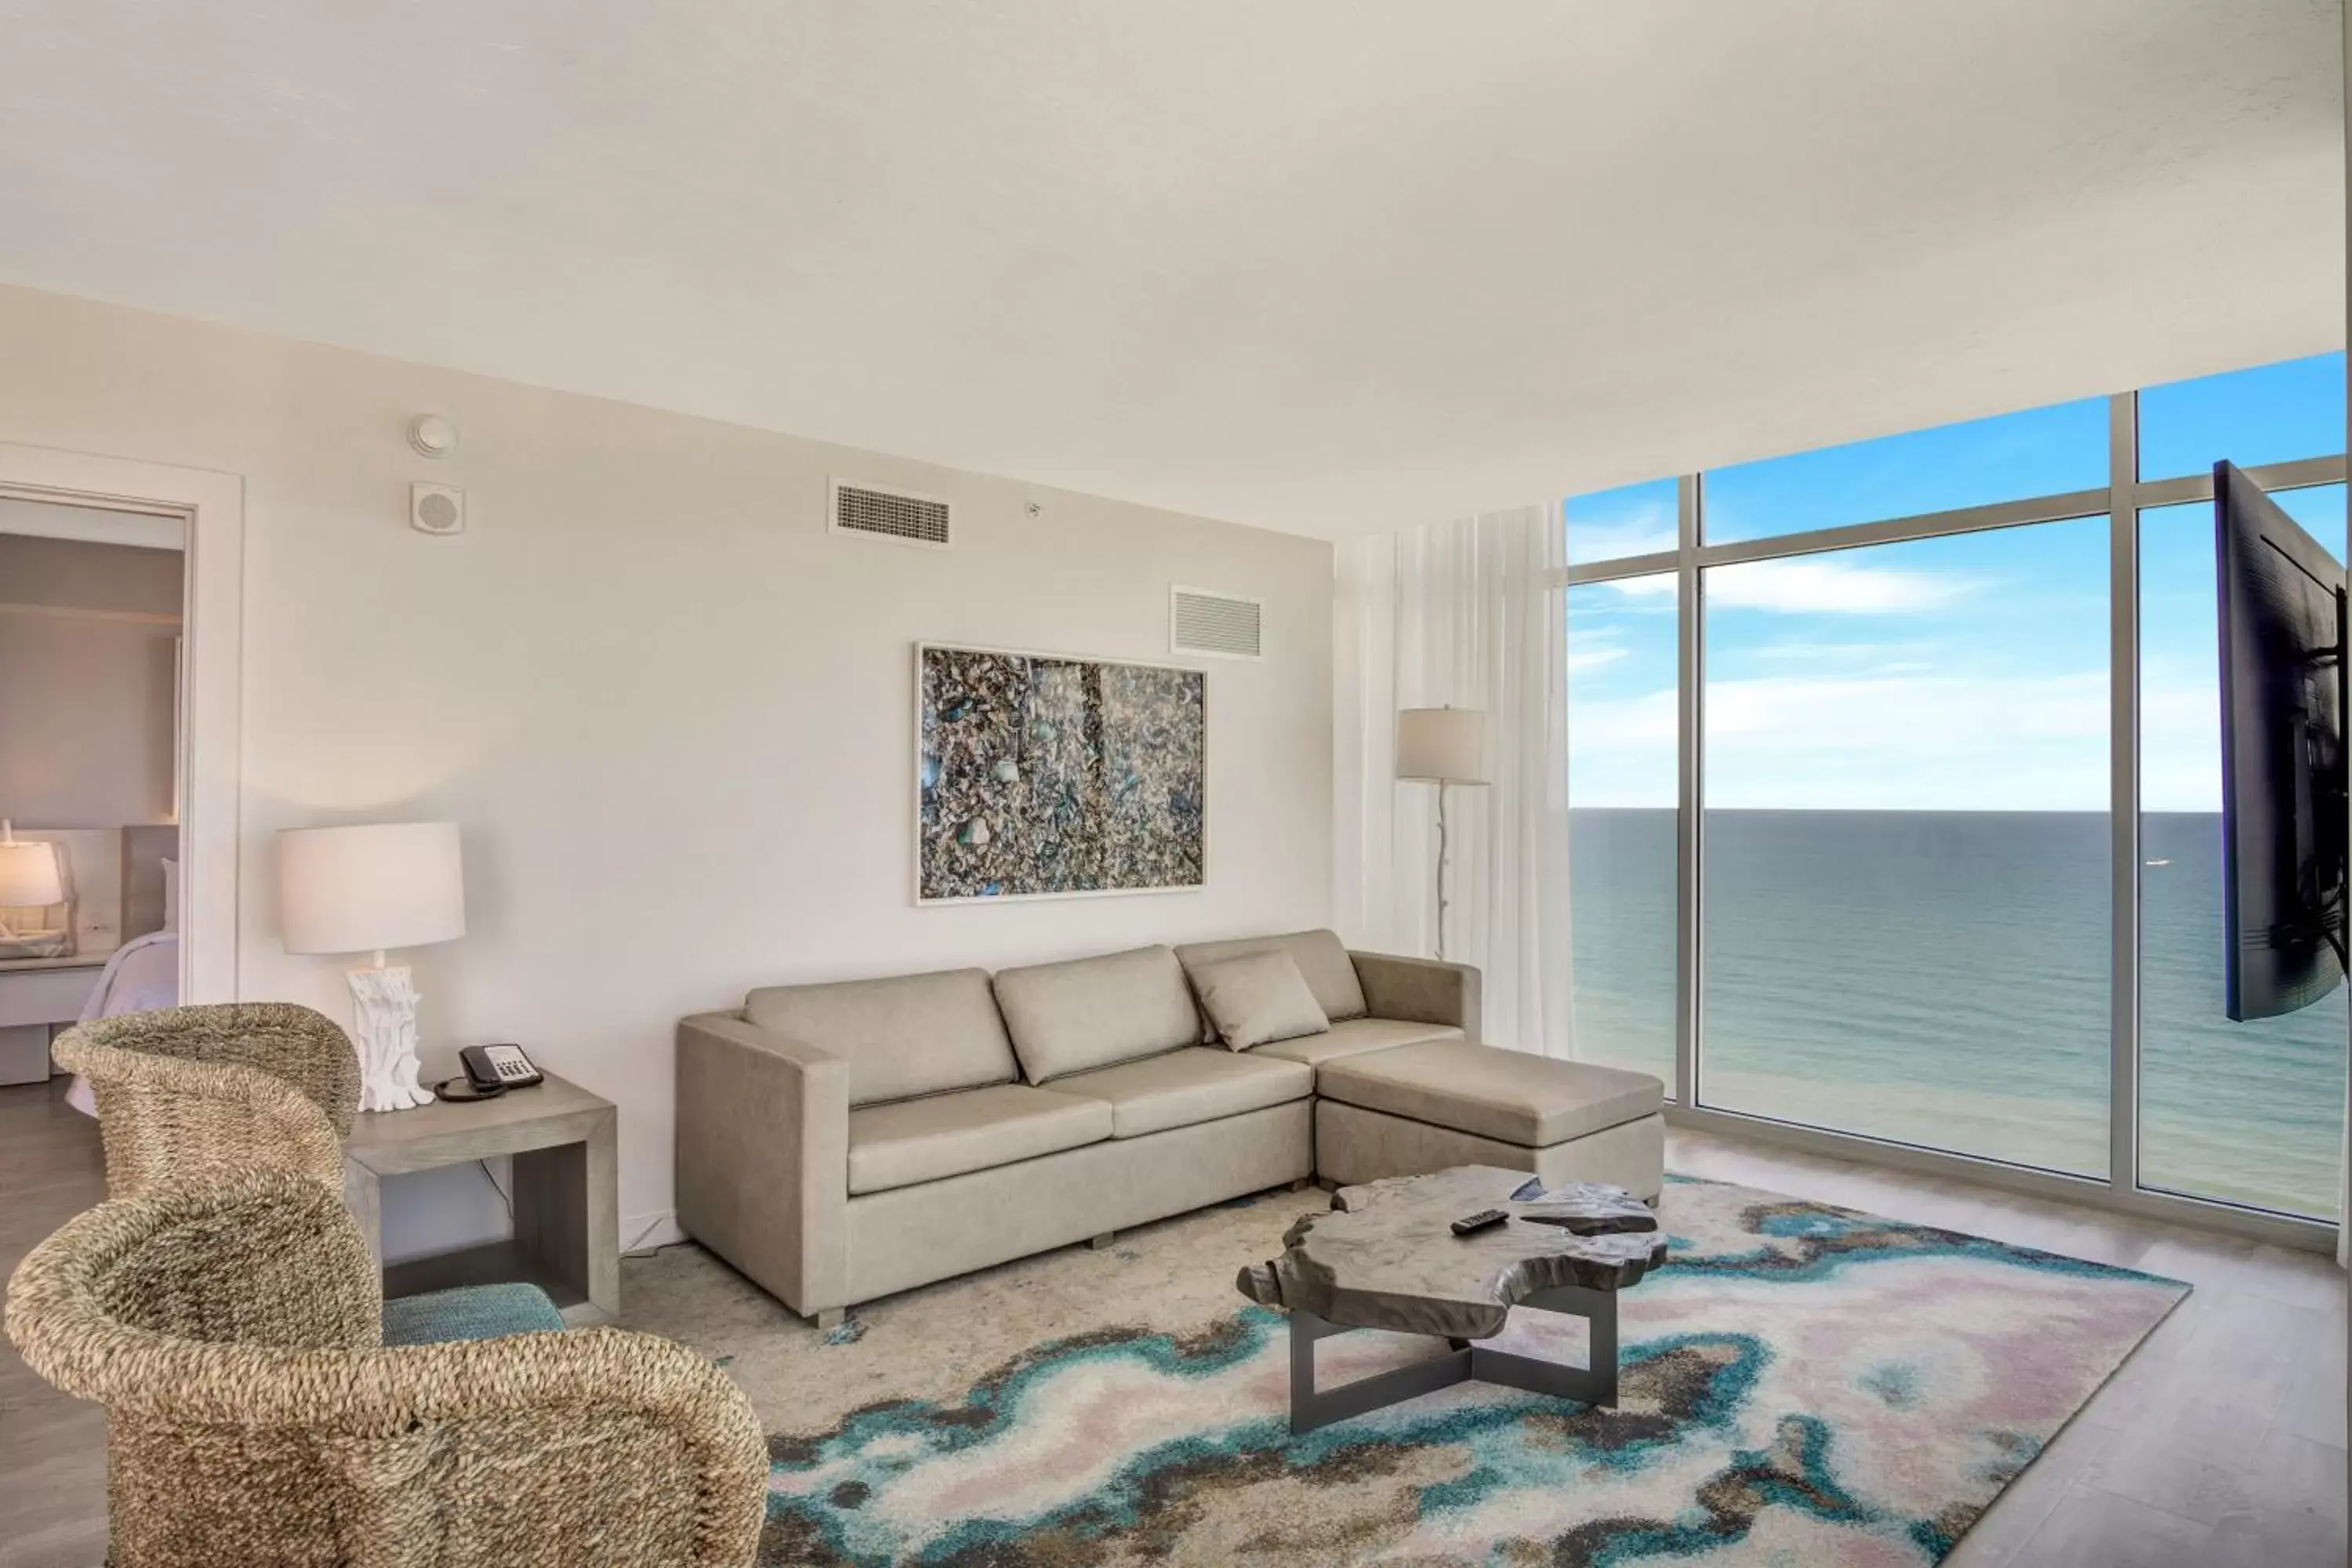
(1105, 1239)
(829, 1318)
(1301, 1185)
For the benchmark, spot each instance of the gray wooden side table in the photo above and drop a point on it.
(566, 1190)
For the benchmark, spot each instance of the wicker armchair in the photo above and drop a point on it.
(188, 1091)
(230, 1328)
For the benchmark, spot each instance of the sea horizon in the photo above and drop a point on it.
(1940, 978)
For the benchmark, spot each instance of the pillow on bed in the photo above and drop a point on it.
(170, 895)
(1258, 999)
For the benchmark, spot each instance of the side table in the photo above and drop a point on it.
(566, 1191)
(36, 994)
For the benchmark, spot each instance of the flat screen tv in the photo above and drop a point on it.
(2283, 809)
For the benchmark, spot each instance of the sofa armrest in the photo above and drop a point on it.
(1420, 990)
(763, 1156)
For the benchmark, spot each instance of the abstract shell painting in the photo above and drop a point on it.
(1044, 776)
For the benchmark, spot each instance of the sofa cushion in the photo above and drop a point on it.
(1258, 998)
(1533, 1102)
(911, 1141)
(1198, 1083)
(1353, 1038)
(903, 1036)
(1320, 955)
(1092, 1012)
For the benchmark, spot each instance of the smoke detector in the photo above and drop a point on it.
(432, 436)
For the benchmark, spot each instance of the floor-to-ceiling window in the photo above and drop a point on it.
(1893, 686)
(2245, 1114)
(1905, 832)
(1621, 780)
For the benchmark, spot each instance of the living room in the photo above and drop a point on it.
(695, 512)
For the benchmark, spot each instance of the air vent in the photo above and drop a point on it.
(894, 515)
(1218, 625)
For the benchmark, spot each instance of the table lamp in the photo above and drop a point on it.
(28, 876)
(367, 889)
(1441, 746)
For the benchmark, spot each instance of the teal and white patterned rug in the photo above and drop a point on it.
(1803, 1385)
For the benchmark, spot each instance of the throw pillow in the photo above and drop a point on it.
(1259, 998)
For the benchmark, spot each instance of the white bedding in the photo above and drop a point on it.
(143, 973)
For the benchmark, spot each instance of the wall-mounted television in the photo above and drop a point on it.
(2283, 805)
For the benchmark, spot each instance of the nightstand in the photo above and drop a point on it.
(564, 1145)
(35, 995)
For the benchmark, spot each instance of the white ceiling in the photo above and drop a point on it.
(1320, 265)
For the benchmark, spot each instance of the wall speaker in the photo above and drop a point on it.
(437, 509)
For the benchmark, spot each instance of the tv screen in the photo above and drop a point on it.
(2282, 771)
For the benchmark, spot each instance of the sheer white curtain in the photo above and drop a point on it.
(1464, 615)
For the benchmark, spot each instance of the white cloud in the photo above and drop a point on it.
(1634, 527)
(1907, 739)
(1847, 655)
(1896, 741)
(1614, 541)
(1814, 586)
(1584, 659)
(2180, 736)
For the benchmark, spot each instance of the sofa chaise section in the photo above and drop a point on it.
(1440, 1103)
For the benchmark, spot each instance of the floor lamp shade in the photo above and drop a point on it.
(363, 890)
(1444, 745)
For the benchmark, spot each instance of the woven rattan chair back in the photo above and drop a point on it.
(185, 1092)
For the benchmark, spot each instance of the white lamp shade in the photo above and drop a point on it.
(1444, 746)
(28, 876)
(361, 889)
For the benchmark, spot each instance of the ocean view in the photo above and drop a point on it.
(1941, 978)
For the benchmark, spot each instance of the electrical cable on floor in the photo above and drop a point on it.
(492, 1177)
(638, 1248)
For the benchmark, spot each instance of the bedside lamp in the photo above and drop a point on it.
(367, 889)
(1441, 746)
(28, 876)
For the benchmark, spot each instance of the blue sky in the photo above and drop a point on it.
(1945, 674)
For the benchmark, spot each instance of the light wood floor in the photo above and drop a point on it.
(2220, 1444)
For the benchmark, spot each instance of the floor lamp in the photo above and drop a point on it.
(1441, 746)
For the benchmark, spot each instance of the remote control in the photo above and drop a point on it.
(1480, 1221)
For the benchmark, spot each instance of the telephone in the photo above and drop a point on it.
(494, 1069)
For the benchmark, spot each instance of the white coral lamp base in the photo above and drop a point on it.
(384, 1005)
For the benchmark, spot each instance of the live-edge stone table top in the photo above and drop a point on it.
(1386, 1255)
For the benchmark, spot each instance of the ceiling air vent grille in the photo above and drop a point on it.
(891, 514)
(1218, 625)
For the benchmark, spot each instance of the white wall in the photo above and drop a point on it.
(671, 711)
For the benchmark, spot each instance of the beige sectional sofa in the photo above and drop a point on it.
(837, 1142)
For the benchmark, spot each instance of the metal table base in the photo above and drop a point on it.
(1592, 1384)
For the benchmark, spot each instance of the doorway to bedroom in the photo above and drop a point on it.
(92, 661)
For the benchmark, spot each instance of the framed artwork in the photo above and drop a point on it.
(1044, 776)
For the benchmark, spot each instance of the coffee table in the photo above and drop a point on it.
(1386, 1258)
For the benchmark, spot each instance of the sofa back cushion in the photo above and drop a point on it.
(1320, 955)
(903, 1036)
(1092, 1012)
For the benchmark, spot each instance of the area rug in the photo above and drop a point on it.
(1803, 1385)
